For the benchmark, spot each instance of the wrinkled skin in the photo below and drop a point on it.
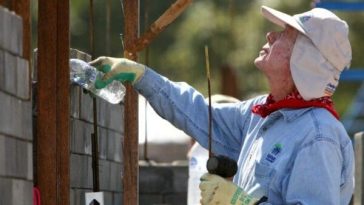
(274, 61)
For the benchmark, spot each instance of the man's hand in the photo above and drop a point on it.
(120, 69)
(216, 190)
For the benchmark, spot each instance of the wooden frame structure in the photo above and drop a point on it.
(53, 152)
(133, 44)
(52, 144)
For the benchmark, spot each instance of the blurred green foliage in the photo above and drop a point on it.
(234, 31)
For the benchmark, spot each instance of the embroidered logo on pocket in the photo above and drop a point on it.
(272, 155)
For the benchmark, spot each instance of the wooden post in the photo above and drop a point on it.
(53, 177)
(132, 45)
(358, 146)
(130, 146)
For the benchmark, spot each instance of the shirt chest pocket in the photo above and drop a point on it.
(263, 174)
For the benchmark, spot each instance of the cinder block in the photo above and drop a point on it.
(79, 171)
(14, 191)
(6, 191)
(114, 146)
(75, 101)
(151, 199)
(26, 121)
(117, 198)
(115, 120)
(2, 27)
(103, 113)
(10, 153)
(104, 173)
(22, 192)
(6, 119)
(29, 161)
(156, 180)
(108, 198)
(2, 64)
(16, 158)
(176, 199)
(102, 142)
(16, 38)
(3, 157)
(21, 159)
(16, 117)
(10, 82)
(79, 196)
(72, 197)
(180, 178)
(87, 58)
(86, 107)
(6, 29)
(23, 78)
(116, 177)
(74, 53)
(81, 137)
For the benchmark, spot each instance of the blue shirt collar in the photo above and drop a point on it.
(290, 115)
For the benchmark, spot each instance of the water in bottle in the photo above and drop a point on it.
(85, 75)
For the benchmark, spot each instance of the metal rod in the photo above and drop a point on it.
(146, 61)
(95, 164)
(209, 96)
(91, 28)
(94, 136)
(130, 146)
(108, 27)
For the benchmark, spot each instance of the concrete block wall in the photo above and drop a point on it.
(16, 139)
(158, 184)
(166, 184)
(163, 184)
(110, 135)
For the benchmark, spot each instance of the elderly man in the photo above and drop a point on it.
(290, 146)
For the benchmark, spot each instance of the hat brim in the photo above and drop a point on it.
(281, 19)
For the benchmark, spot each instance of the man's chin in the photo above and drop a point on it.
(258, 62)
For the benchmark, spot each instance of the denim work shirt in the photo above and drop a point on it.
(293, 156)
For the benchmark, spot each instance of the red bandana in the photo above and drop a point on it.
(293, 100)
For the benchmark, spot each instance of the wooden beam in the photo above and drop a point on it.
(130, 145)
(63, 100)
(53, 102)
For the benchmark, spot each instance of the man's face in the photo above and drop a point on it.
(274, 58)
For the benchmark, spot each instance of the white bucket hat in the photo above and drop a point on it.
(321, 52)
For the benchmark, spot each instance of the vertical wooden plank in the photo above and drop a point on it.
(22, 8)
(46, 123)
(358, 147)
(63, 103)
(53, 102)
(130, 146)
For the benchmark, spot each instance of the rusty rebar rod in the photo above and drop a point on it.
(160, 24)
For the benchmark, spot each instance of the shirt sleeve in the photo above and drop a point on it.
(187, 109)
(316, 175)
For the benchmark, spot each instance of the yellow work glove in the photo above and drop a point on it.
(216, 190)
(120, 69)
